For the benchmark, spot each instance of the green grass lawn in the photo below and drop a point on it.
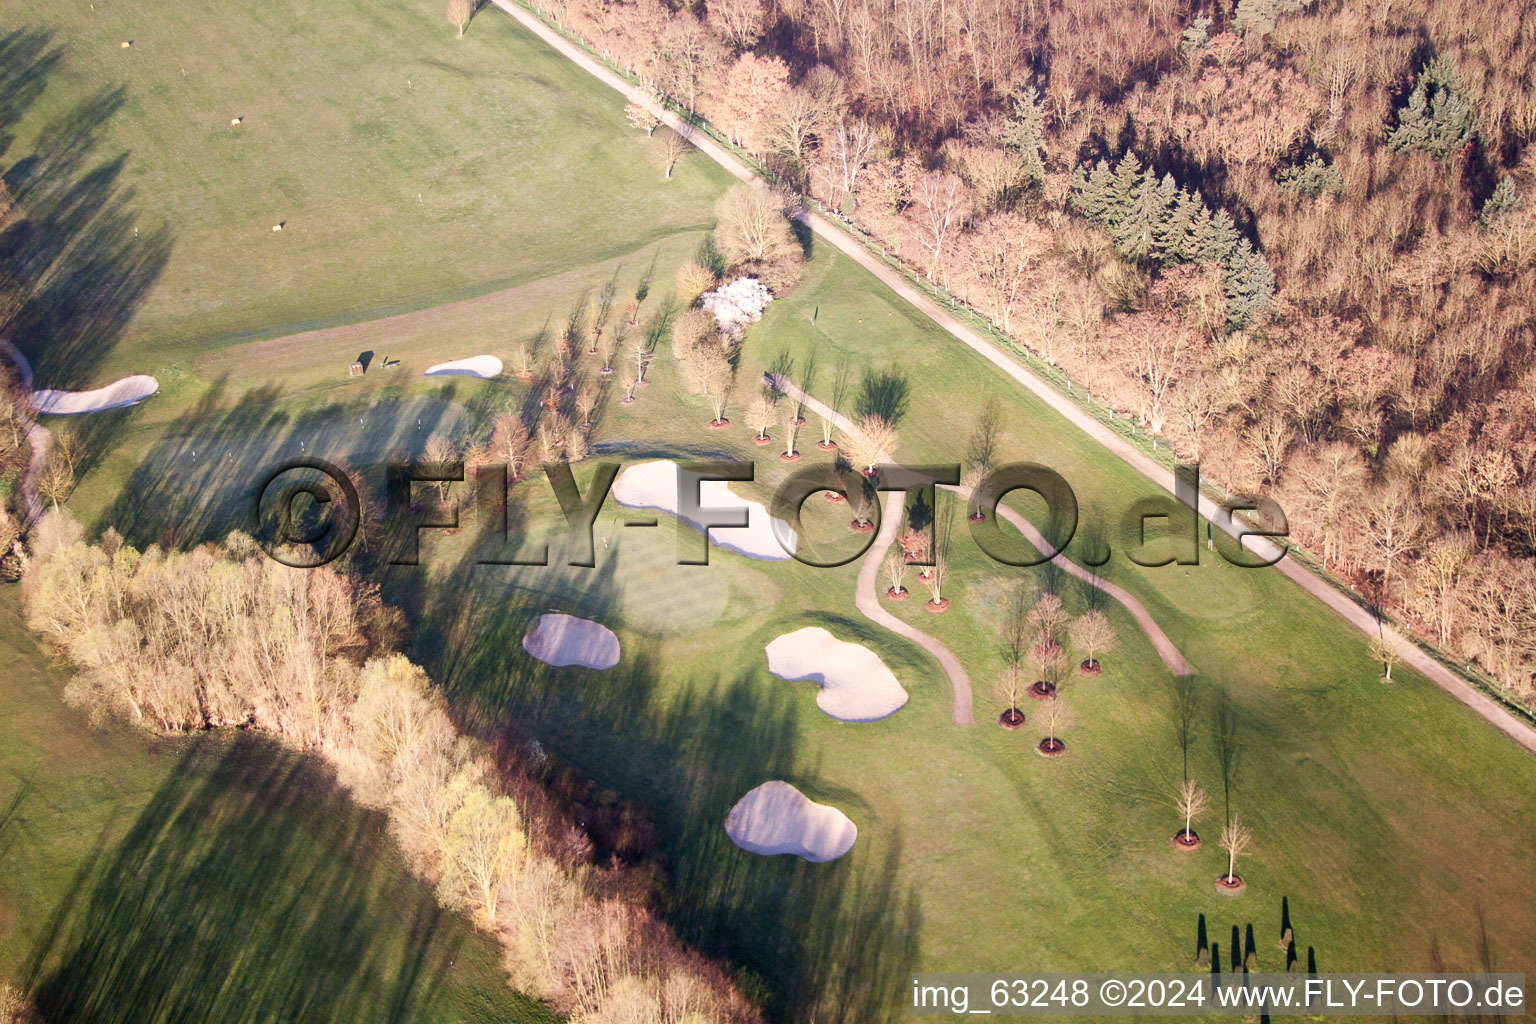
(1393, 821)
(212, 878)
(408, 166)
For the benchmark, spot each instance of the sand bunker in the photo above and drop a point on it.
(855, 684)
(117, 395)
(475, 366)
(654, 485)
(561, 640)
(778, 818)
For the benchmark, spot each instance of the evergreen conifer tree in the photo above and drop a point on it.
(1250, 285)
(1438, 119)
(1025, 133)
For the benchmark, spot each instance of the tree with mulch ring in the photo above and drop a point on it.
(762, 414)
(1191, 803)
(1235, 839)
(1010, 687)
(971, 485)
(842, 381)
(792, 425)
(1056, 717)
(870, 443)
(1092, 633)
(914, 545)
(895, 567)
(833, 497)
(709, 373)
(1047, 656)
(863, 511)
(935, 584)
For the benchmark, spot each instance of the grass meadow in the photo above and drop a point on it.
(1392, 822)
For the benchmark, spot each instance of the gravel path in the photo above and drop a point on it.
(1351, 611)
(867, 596)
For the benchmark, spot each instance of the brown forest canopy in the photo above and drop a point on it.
(1294, 238)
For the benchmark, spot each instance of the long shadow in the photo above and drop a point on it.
(200, 479)
(79, 262)
(27, 58)
(248, 889)
(830, 942)
(76, 264)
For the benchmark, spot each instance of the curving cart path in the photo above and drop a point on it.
(1165, 648)
(1361, 618)
(867, 596)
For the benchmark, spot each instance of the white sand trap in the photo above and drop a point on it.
(653, 485)
(561, 640)
(117, 395)
(778, 818)
(484, 367)
(855, 684)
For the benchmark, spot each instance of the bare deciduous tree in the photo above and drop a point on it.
(1235, 839)
(1011, 687)
(484, 846)
(792, 421)
(710, 374)
(762, 413)
(640, 117)
(938, 208)
(439, 452)
(895, 566)
(56, 481)
(1387, 649)
(1092, 633)
(670, 147)
(1191, 802)
(460, 13)
(1057, 718)
(752, 225)
(872, 442)
(935, 578)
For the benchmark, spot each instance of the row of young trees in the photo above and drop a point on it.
(1305, 260)
(220, 636)
(752, 239)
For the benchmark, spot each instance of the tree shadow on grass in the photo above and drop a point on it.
(832, 942)
(202, 477)
(883, 393)
(251, 889)
(27, 58)
(80, 264)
